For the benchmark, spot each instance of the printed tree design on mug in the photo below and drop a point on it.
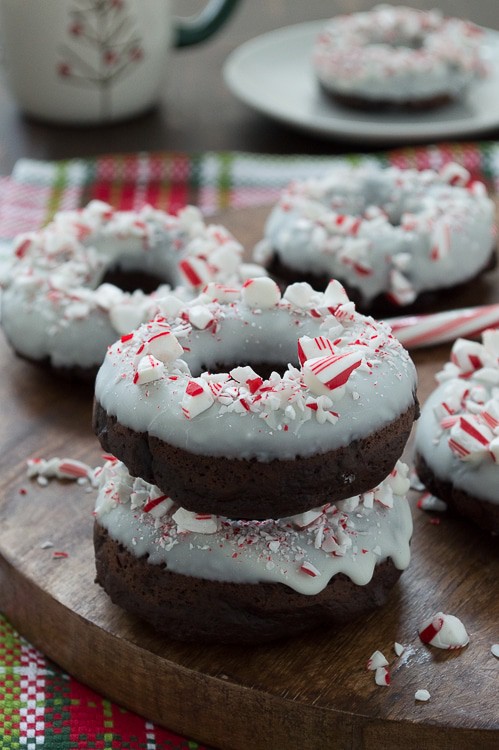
(102, 48)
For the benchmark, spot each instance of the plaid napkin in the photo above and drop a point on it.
(40, 705)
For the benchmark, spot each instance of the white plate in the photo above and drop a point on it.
(273, 74)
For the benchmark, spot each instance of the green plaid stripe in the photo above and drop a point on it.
(10, 686)
(218, 180)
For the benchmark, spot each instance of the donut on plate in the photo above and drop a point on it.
(201, 577)
(391, 236)
(399, 57)
(457, 437)
(247, 404)
(57, 303)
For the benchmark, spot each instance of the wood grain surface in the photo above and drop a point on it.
(307, 693)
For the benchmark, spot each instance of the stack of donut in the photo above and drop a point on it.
(253, 488)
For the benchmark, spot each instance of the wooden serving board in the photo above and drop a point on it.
(305, 693)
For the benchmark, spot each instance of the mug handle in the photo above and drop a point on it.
(198, 28)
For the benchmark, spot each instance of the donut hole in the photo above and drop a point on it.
(403, 42)
(129, 280)
(266, 344)
(364, 201)
(264, 369)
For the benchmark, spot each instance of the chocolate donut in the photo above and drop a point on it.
(58, 305)
(392, 236)
(198, 577)
(457, 437)
(325, 413)
(398, 57)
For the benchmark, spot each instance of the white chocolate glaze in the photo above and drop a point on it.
(303, 552)
(458, 431)
(365, 380)
(384, 230)
(54, 304)
(398, 54)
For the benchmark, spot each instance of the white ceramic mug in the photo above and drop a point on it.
(94, 61)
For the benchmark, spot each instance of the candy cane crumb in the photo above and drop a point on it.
(398, 648)
(422, 695)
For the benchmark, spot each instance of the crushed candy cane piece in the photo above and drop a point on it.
(164, 346)
(308, 348)
(260, 293)
(398, 648)
(199, 523)
(200, 316)
(148, 370)
(70, 468)
(326, 374)
(376, 660)
(444, 631)
(170, 306)
(197, 398)
(382, 676)
(299, 294)
(302, 520)
(335, 294)
(422, 695)
(467, 355)
(309, 569)
(60, 468)
(401, 289)
(416, 483)
(195, 270)
(220, 292)
(399, 480)
(158, 506)
(427, 501)
(455, 174)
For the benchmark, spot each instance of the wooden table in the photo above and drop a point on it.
(196, 111)
(295, 694)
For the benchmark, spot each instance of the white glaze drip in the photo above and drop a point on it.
(358, 533)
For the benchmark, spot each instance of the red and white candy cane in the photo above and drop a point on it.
(415, 331)
(444, 631)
